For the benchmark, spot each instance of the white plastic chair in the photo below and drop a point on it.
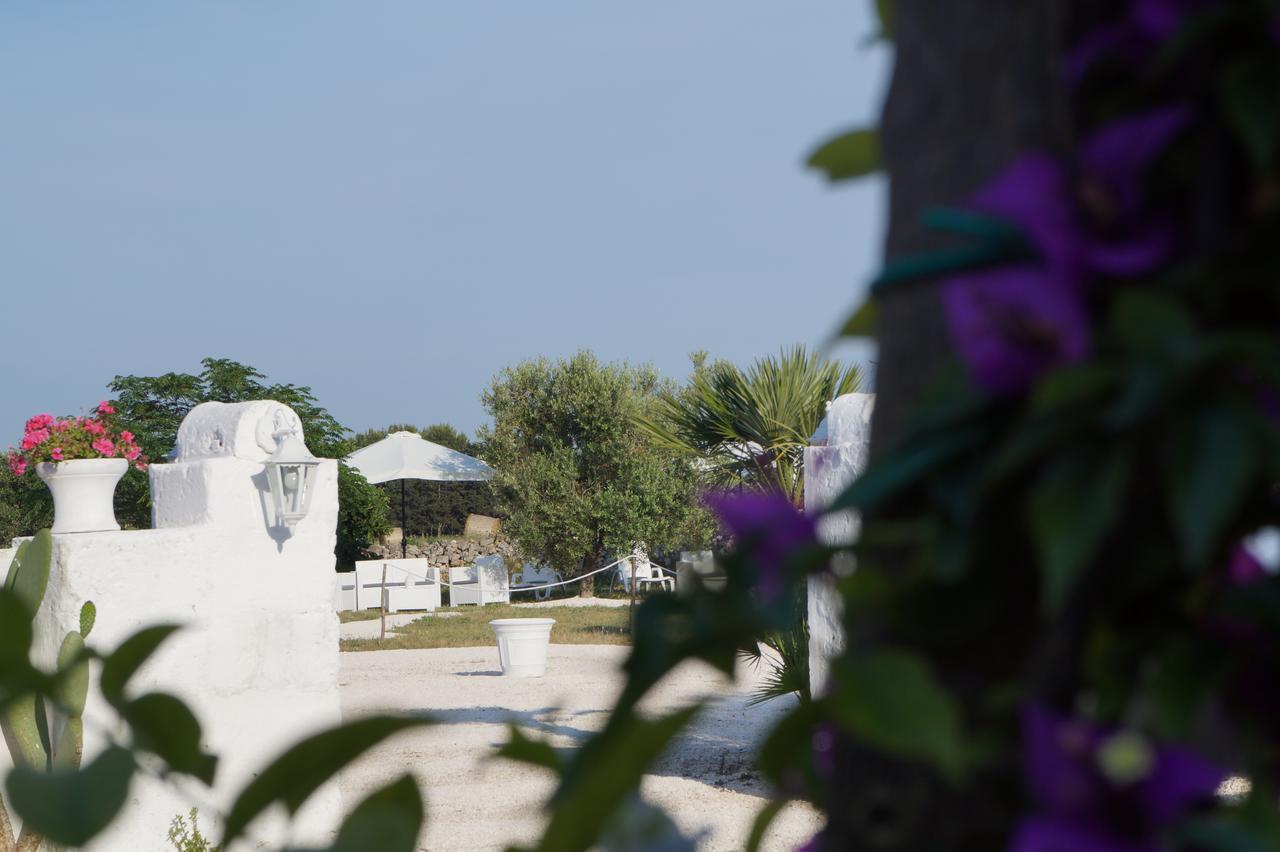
(646, 573)
(536, 577)
(485, 582)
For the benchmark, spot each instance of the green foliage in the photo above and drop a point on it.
(890, 699)
(388, 819)
(577, 476)
(852, 154)
(750, 427)
(71, 806)
(362, 514)
(184, 837)
(153, 408)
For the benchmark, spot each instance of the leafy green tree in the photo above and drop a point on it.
(434, 508)
(153, 407)
(576, 475)
(750, 427)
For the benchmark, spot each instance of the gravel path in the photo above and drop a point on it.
(474, 803)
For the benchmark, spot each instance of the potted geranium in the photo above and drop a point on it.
(81, 459)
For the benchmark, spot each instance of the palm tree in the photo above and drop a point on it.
(748, 429)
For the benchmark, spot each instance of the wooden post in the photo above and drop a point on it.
(632, 560)
(382, 606)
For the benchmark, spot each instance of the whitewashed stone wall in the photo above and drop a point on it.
(838, 455)
(257, 657)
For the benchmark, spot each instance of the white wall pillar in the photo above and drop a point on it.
(835, 460)
(257, 657)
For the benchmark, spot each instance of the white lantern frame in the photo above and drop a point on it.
(292, 472)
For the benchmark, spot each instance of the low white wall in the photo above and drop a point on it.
(257, 657)
(828, 469)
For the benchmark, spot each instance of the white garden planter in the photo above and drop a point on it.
(83, 493)
(522, 645)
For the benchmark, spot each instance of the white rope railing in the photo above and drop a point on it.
(523, 588)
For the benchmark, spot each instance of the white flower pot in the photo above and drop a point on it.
(83, 493)
(522, 645)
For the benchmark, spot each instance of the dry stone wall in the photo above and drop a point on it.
(452, 552)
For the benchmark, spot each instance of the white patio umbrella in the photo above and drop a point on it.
(407, 455)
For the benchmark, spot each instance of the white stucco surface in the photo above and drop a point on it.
(829, 467)
(256, 658)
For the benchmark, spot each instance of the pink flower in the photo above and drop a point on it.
(17, 464)
(34, 438)
(104, 447)
(56, 454)
(40, 421)
(132, 452)
(126, 436)
(140, 465)
(105, 407)
(93, 427)
(61, 425)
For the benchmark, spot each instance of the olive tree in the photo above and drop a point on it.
(576, 475)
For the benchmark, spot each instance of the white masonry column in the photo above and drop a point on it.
(257, 656)
(837, 456)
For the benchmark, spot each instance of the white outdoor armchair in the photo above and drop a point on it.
(647, 573)
(485, 582)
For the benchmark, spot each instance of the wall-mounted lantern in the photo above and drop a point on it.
(291, 476)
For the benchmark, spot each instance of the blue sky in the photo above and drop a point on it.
(392, 201)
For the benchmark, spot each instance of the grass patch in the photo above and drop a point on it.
(591, 625)
(357, 615)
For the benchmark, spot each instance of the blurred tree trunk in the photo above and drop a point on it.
(975, 83)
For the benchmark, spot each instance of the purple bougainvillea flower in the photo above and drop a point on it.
(1011, 324)
(1105, 789)
(1244, 568)
(1093, 217)
(770, 528)
(1135, 37)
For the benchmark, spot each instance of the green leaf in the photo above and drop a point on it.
(71, 807)
(1248, 89)
(897, 472)
(15, 563)
(29, 572)
(853, 154)
(73, 688)
(88, 615)
(123, 663)
(1075, 503)
(1084, 384)
(163, 725)
(1212, 462)
(761, 823)
(389, 820)
(638, 826)
(862, 322)
(1152, 323)
(533, 752)
(884, 12)
(15, 634)
(292, 777)
(588, 797)
(890, 700)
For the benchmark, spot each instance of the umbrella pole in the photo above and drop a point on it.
(404, 524)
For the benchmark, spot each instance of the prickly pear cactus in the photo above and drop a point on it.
(27, 723)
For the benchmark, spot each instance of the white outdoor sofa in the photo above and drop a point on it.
(411, 584)
(485, 582)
